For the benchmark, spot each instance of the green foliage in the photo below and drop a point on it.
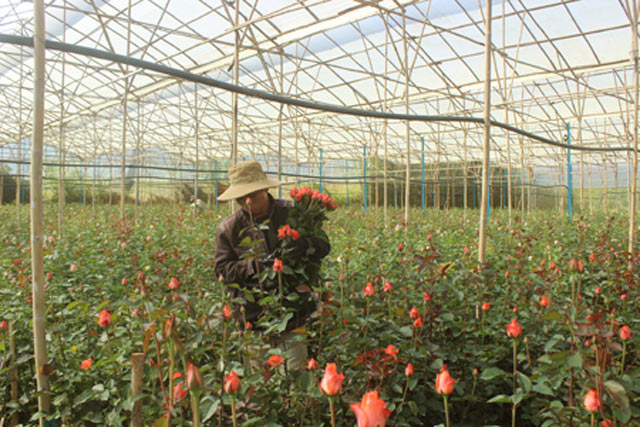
(555, 366)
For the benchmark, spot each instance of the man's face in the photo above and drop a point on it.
(259, 205)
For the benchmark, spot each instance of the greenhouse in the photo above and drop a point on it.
(319, 213)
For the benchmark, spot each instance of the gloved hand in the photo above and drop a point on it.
(297, 248)
(265, 263)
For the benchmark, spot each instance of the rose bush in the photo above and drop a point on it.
(154, 282)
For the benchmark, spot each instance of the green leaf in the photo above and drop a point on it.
(72, 305)
(491, 373)
(211, 410)
(524, 381)
(617, 393)
(447, 317)
(23, 358)
(575, 360)
(517, 398)
(501, 398)
(543, 389)
(83, 397)
(413, 407)
(552, 315)
(406, 331)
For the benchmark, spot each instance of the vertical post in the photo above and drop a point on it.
(465, 172)
(61, 159)
(489, 201)
(385, 123)
(407, 190)
(137, 371)
(123, 158)
(39, 309)
(280, 118)
(364, 191)
(475, 203)
(346, 180)
(21, 136)
(569, 175)
(215, 175)
(95, 166)
(197, 131)
(604, 163)
(634, 175)
(234, 95)
(13, 370)
(423, 185)
(484, 210)
(321, 170)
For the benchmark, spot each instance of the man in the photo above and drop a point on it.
(249, 188)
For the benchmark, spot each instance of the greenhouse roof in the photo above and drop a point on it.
(554, 63)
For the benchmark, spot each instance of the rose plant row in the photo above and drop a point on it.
(410, 330)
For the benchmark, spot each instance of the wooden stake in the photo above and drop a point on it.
(13, 372)
(486, 137)
(39, 321)
(137, 374)
(634, 177)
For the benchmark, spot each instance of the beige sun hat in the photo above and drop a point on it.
(245, 178)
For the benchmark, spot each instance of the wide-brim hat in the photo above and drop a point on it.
(245, 178)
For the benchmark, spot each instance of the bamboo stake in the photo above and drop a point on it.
(385, 123)
(61, 159)
(95, 162)
(486, 137)
(522, 170)
(13, 372)
(123, 159)
(407, 192)
(39, 320)
(234, 95)
(137, 203)
(280, 119)
(195, 178)
(19, 165)
(236, 79)
(604, 162)
(137, 373)
(632, 204)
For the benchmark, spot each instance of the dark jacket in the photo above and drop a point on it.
(234, 269)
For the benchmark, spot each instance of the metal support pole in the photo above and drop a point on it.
(569, 175)
(489, 201)
(123, 159)
(346, 174)
(484, 210)
(321, 170)
(215, 175)
(407, 190)
(197, 137)
(364, 192)
(37, 277)
(423, 184)
(634, 175)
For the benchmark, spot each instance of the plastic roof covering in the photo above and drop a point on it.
(552, 60)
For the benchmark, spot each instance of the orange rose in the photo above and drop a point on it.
(371, 411)
(625, 333)
(444, 382)
(274, 361)
(86, 364)
(592, 401)
(231, 383)
(514, 329)
(331, 383)
(194, 378)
